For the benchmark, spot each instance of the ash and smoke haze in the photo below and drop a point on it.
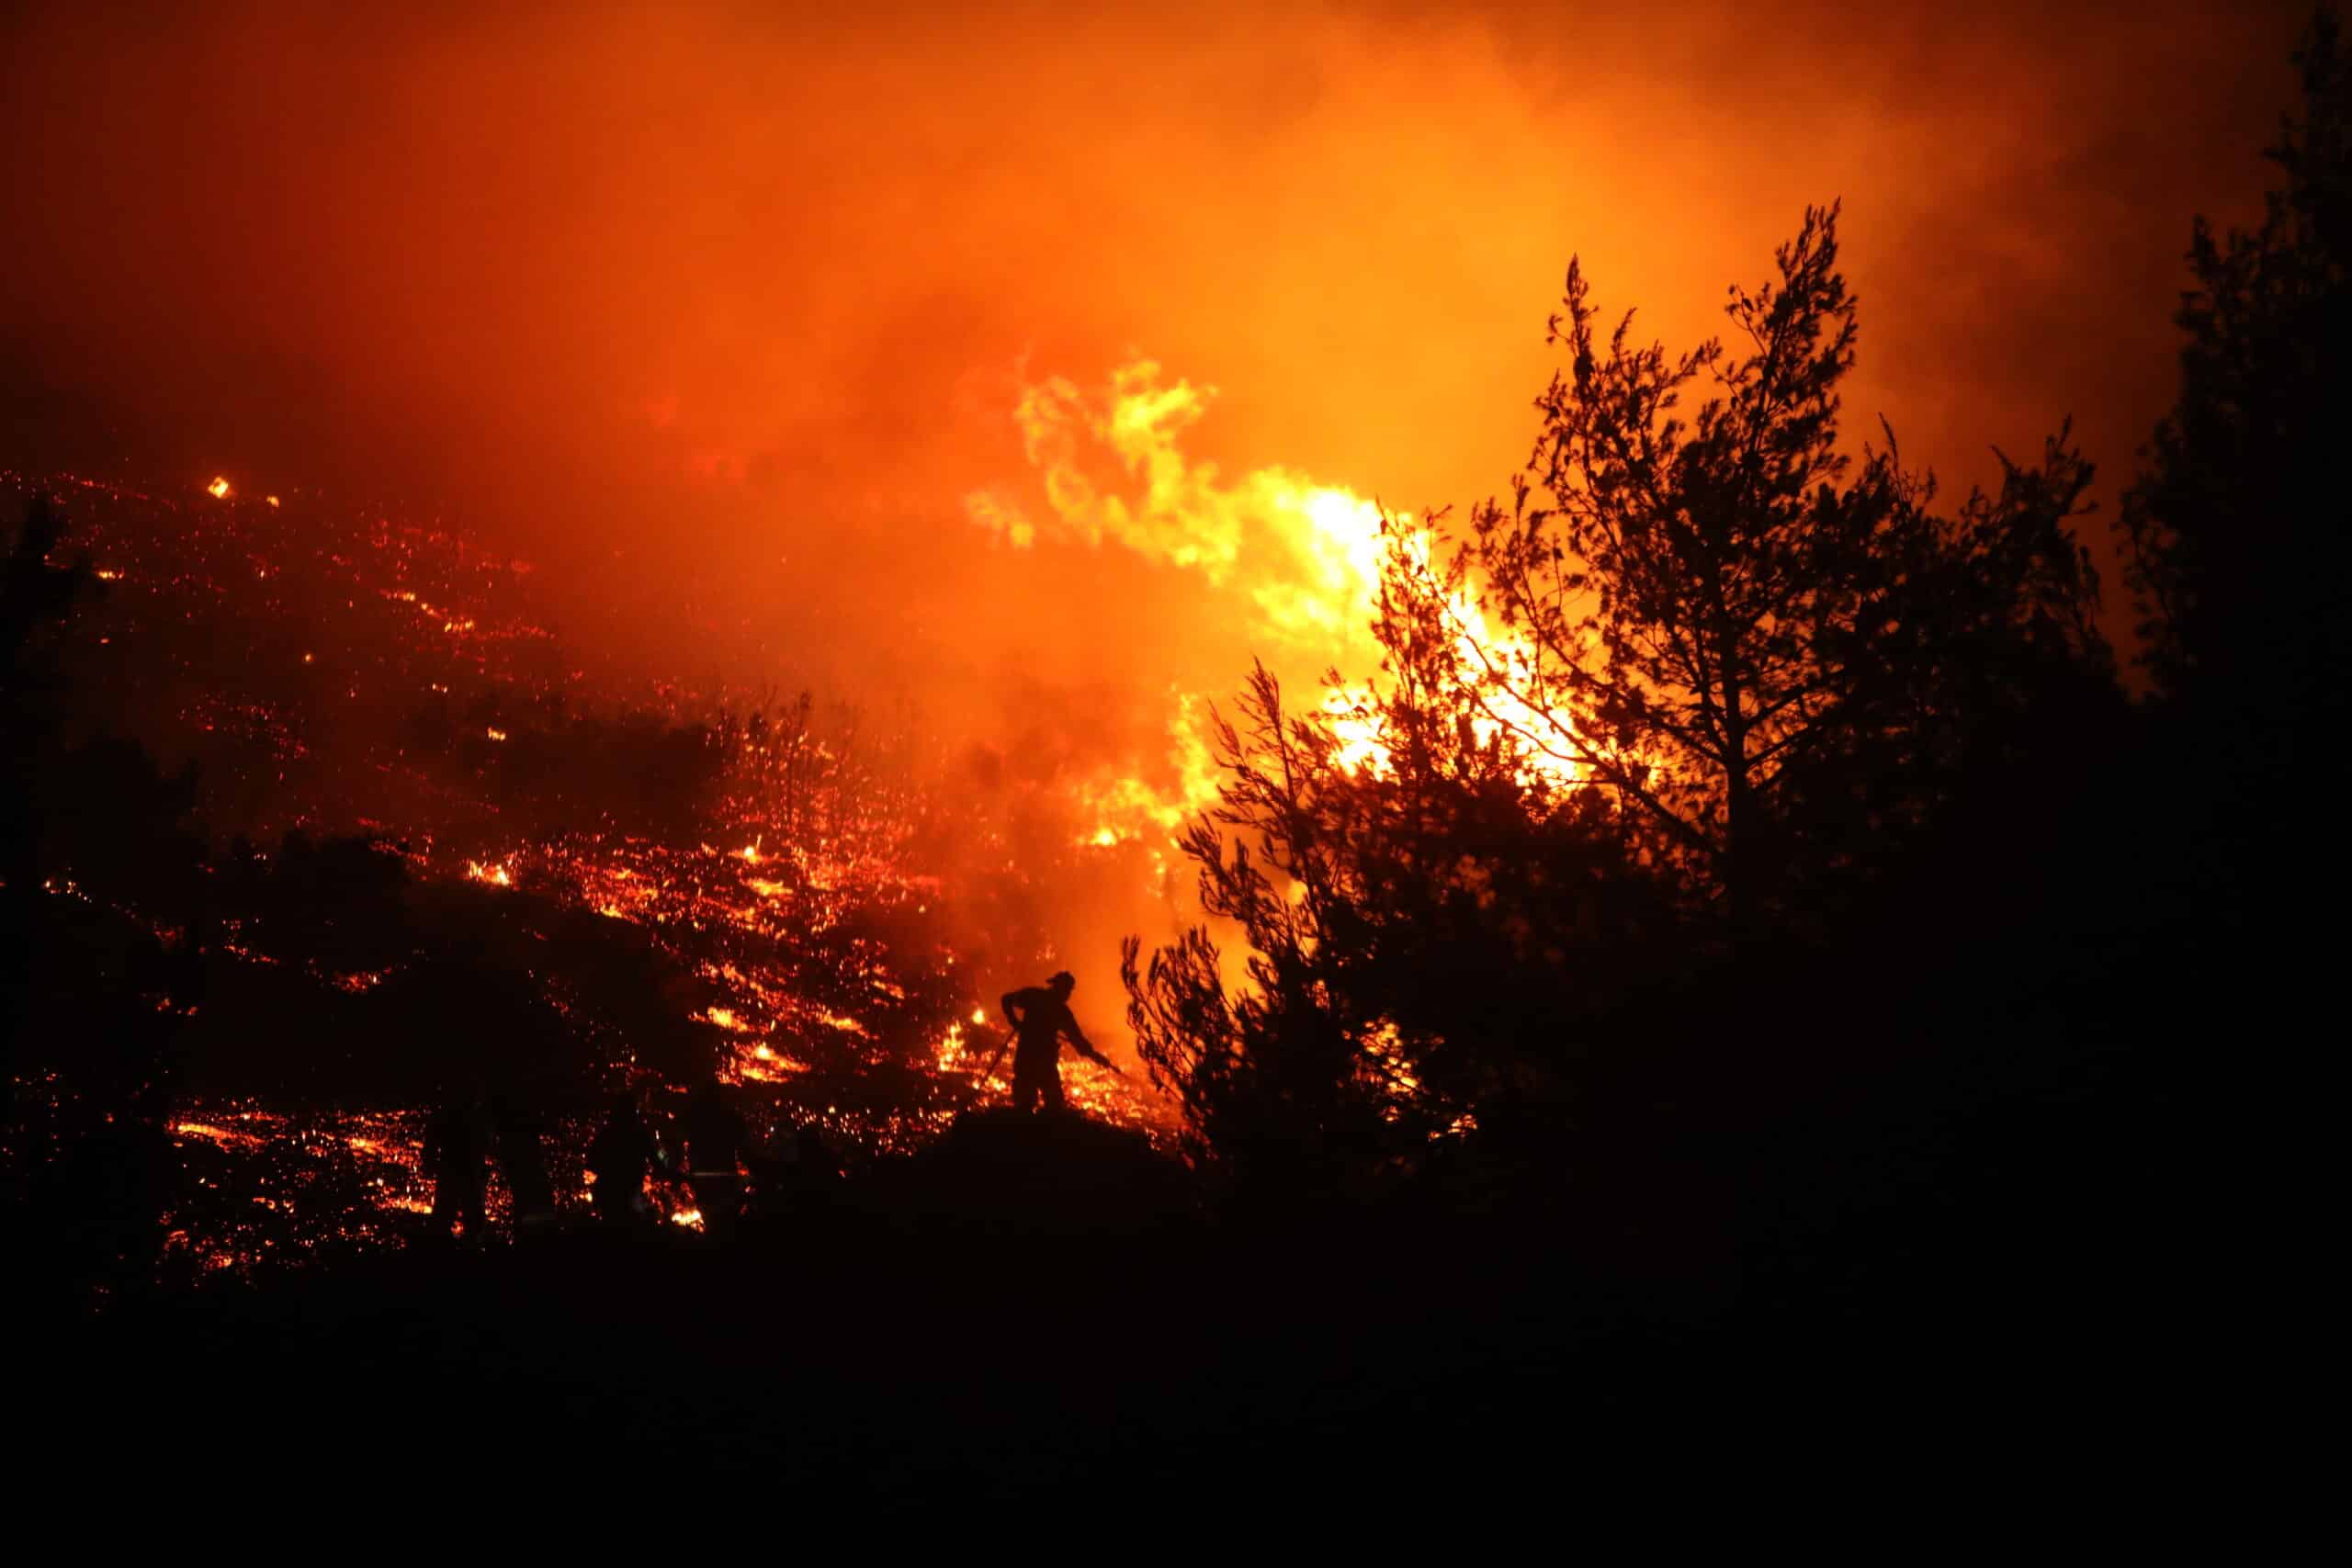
(721, 314)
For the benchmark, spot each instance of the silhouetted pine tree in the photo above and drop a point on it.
(1769, 646)
(1723, 666)
(2237, 528)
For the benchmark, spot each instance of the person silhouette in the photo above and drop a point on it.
(453, 1159)
(616, 1159)
(521, 1160)
(1041, 1018)
(713, 1136)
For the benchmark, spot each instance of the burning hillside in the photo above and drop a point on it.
(467, 848)
(444, 854)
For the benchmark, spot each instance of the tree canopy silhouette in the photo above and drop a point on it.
(1705, 673)
(1760, 638)
(2235, 529)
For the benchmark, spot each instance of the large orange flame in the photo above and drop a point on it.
(1300, 559)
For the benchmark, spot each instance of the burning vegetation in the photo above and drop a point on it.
(438, 853)
(1684, 689)
(1520, 822)
(1723, 936)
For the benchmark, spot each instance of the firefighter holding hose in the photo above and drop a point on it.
(1041, 1020)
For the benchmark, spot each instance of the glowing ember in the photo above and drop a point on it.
(951, 1047)
(224, 1137)
(219, 489)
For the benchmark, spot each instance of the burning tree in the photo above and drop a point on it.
(1720, 667)
(1434, 939)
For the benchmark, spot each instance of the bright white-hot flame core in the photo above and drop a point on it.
(1301, 560)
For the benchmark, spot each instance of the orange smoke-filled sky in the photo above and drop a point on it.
(724, 305)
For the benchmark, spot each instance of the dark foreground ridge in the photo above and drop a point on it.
(999, 1171)
(1033, 1310)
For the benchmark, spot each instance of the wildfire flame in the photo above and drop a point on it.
(1303, 557)
(1310, 552)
